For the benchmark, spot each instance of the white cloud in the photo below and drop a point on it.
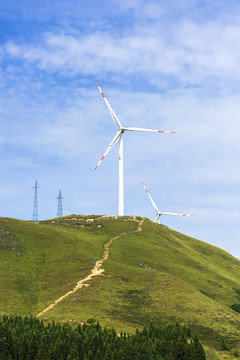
(197, 54)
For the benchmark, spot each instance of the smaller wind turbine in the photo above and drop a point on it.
(159, 213)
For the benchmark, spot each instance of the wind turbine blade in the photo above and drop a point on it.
(114, 116)
(149, 130)
(157, 218)
(115, 139)
(169, 213)
(153, 203)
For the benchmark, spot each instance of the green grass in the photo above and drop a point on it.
(155, 275)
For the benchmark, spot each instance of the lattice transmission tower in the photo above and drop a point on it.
(35, 202)
(60, 207)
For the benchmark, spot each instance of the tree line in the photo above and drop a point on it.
(28, 338)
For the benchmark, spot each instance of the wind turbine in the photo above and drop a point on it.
(119, 136)
(159, 213)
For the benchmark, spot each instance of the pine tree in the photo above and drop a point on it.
(199, 352)
(33, 348)
(24, 348)
(108, 353)
(42, 351)
(73, 353)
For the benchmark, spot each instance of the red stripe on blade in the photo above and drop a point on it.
(102, 158)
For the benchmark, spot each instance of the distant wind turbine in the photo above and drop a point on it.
(119, 136)
(159, 213)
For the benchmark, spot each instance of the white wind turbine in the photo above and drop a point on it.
(119, 136)
(159, 213)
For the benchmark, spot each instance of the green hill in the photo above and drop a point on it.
(152, 274)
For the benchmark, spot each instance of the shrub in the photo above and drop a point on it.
(235, 307)
(91, 321)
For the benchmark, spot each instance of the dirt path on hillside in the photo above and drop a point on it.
(97, 270)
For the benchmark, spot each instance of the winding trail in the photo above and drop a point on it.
(97, 270)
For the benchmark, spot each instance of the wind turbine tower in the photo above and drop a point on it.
(119, 137)
(60, 208)
(35, 203)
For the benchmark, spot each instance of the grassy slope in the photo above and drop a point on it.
(40, 262)
(154, 275)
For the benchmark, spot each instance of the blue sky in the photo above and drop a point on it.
(165, 65)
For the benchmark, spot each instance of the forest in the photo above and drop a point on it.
(28, 338)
